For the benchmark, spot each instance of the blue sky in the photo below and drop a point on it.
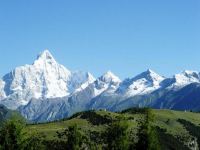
(124, 36)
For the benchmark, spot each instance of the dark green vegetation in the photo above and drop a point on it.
(130, 129)
(14, 137)
(193, 129)
(6, 114)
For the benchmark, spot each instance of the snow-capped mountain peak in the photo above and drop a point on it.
(143, 83)
(45, 55)
(45, 58)
(186, 77)
(193, 74)
(77, 77)
(46, 63)
(109, 77)
(151, 76)
(107, 82)
(45, 78)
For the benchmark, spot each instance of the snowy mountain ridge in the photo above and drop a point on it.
(62, 92)
(143, 83)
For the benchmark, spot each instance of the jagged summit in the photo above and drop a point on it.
(190, 73)
(150, 71)
(109, 77)
(45, 54)
(46, 63)
(149, 75)
(186, 77)
(45, 57)
(143, 83)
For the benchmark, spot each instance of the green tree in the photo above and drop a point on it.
(147, 134)
(11, 134)
(153, 141)
(117, 138)
(14, 137)
(75, 138)
(33, 141)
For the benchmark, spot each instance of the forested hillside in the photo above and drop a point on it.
(130, 129)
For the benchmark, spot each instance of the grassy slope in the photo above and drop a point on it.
(165, 119)
(49, 129)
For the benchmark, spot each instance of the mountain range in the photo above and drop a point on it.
(47, 91)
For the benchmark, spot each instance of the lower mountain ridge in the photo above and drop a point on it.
(42, 110)
(6, 114)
